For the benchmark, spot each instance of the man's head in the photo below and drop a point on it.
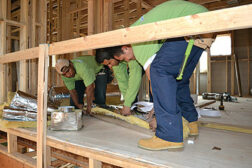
(65, 68)
(103, 56)
(121, 53)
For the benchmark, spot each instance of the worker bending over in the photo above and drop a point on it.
(128, 75)
(162, 61)
(84, 74)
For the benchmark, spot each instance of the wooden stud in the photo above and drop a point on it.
(197, 91)
(90, 21)
(126, 13)
(226, 77)
(139, 8)
(33, 63)
(42, 105)
(94, 163)
(248, 53)
(3, 68)
(209, 72)
(48, 156)
(237, 73)
(23, 66)
(232, 65)
(195, 24)
(107, 15)
(12, 143)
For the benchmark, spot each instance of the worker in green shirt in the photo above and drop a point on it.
(83, 74)
(129, 82)
(162, 60)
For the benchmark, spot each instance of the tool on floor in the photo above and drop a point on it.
(187, 54)
(217, 96)
(221, 106)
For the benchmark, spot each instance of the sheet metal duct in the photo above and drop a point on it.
(19, 114)
(27, 102)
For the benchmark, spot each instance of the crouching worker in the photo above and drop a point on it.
(162, 61)
(84, 74)
(128, 75)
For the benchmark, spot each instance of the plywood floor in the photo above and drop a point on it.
(235, 149)
(213, 148)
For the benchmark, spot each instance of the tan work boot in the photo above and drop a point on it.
(156, 143)
(194, 130)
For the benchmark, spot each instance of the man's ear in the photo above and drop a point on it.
(124, 49)
(116, 57)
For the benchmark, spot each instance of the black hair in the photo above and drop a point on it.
(101, 55)
(107, 53)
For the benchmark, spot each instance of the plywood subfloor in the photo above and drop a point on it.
(235, 148)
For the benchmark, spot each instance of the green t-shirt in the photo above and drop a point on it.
(129, 83)
(86, 69)
(165, 11)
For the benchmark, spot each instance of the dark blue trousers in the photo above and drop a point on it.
(99, 93)
(172, 98)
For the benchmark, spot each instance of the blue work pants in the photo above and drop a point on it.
(172, 98)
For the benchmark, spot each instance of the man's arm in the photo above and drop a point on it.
(74, 96)
(134, 82)
(90, 97)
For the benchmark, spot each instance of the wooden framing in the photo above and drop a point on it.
(237, 18)
(192, 25)
(3, 68)
(23, 65)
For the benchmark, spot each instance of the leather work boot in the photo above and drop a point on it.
(194, 130)
(156, 143)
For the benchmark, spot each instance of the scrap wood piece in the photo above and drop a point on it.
(225, 127)
(205, 103)
(134, 120)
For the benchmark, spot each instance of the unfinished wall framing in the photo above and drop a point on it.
(238, 18)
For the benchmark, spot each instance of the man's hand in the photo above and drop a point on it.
(153, 124)
(125, 111)
(80, 106)
(88, 111)
(151, 113)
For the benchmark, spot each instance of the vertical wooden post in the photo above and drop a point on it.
(48, 156)
(66, 20)
(42, 20)
(23, 68)
(232, 65)
(248, 52)
(107, 15)
(94, 163)
(126, 13)
(226, 74)
(90, 21)
(139, 9)
(209, 72)
(32, 33)
(198, 79)
(12, 143)
(3, 67)
(42, 105)
(238, 77)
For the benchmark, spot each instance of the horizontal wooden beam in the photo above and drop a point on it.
(31, 53)
(214, 21)
(12, 22)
